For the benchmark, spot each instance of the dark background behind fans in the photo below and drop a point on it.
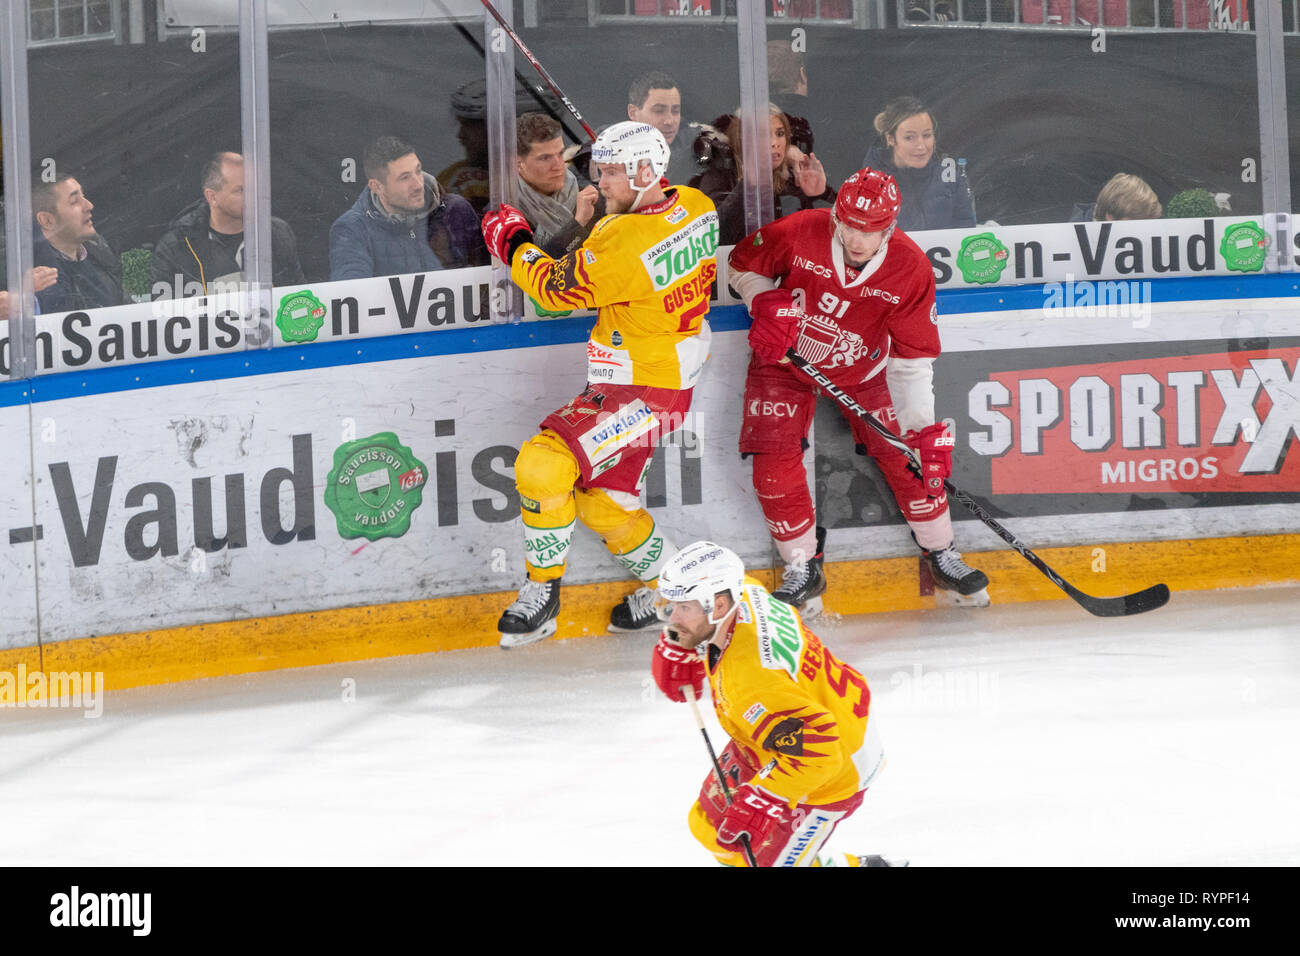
(1042, 120)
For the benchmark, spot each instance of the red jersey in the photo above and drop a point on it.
(853, 321)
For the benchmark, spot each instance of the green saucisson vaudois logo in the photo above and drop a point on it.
(374, 487)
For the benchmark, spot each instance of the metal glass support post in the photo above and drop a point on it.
(1274, 152)
(499, 62)
(14, 115)
(255, 130)
(751, 25)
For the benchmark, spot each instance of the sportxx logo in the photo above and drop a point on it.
(1190, 423)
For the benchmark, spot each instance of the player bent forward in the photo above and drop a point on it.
(803, 748)
(647, 268)
(855, 296)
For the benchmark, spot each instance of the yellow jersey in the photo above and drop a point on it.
(800, 712)
(649, 274)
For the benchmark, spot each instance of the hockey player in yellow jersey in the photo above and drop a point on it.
(803, 747)
(647, 268)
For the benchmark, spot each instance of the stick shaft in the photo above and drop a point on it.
(717, 767)
(541, 70)
(1153, 597)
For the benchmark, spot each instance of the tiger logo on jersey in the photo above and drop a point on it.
(820, 338)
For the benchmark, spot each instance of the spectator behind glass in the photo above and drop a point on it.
(468, 177)
(794, 175)
(907, 151)
(89, 272)
(787, 79)
(1126, 196)
(560, 211)
(402, 222)
(655, 99)
(42, 276)
(203, 252)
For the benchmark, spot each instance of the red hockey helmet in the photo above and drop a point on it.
(868, 201)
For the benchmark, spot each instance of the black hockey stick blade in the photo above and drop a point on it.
(1140, 601)
(1147, 600)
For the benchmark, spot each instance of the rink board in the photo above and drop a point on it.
(189, 500)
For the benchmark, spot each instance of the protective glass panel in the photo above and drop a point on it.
(1080, 178)
(370, 168)
(126, 110)
(17, 550)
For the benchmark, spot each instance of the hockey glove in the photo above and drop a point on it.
(674, 667)
(933, 445)
(504, 231)
(775, 327)
(753, 812)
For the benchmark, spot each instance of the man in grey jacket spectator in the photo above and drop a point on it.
(560, 212)
(403, 221)
(203, 252)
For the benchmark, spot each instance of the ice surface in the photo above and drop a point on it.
(1019, 734)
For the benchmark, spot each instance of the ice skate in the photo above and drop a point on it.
(958, 583)
(803, 583)
(875, 859)
(636, 612)
(532, 616)
(850, 859)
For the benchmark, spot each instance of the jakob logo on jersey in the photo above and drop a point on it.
(374, 487)
(676, 257)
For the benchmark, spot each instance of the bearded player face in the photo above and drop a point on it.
(620, 192)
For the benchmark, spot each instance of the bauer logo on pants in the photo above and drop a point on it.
(374, 487)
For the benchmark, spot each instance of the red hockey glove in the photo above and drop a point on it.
(934, 445)
(775, 326)
(753, 812)
(504, 231)
(674, 667)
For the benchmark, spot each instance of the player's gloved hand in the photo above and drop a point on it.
(933, 445)
(674, 667)
(775, 326)
(753, 812)
(504, 231)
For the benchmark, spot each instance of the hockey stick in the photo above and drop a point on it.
(717, 767)
(541, 70)
(1146, 600)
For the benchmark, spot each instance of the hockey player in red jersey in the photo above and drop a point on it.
(854, 295)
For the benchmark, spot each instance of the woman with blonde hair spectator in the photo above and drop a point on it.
(933, 198)
(794, 174)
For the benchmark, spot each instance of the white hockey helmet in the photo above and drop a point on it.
(698, 572)
(630, 144)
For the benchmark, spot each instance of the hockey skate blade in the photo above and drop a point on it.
(654, 625)
(811, 608)
(945, 598)
(509, 641)
(875, 859)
